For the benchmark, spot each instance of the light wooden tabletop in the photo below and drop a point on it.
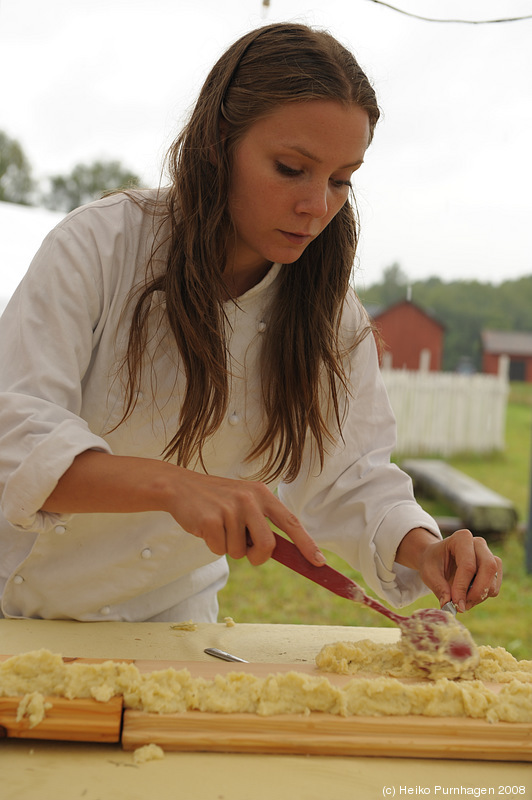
(36, 770)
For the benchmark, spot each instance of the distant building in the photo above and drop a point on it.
(514, 346)
(411, 337)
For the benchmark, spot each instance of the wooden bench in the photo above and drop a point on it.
(480, 509)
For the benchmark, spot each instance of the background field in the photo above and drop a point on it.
(271, 593)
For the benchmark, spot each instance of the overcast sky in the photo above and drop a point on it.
(446, 187)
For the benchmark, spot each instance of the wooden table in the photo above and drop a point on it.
(35, 770)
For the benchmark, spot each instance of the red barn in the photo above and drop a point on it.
(516, 346)
(411, 338)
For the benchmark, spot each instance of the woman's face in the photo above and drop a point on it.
(291, 174)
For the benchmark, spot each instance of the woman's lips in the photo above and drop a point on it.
(297, 238)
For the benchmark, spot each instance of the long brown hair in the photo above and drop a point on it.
(302, 363)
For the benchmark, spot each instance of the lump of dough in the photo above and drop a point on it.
(149, 752)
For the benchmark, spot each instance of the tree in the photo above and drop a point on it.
(87, 182)
(16, 183)
(391, 289)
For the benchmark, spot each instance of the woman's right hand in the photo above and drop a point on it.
(231, 516)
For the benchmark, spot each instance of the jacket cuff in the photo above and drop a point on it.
(399, 585)
(37, 476)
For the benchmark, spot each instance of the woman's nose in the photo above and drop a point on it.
(313, 200)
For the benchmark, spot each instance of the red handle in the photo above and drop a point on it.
(287, 553)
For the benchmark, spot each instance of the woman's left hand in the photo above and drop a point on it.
(460, 567)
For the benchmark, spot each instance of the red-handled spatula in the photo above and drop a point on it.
(434, 639)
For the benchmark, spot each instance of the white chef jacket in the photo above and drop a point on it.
(62, 337)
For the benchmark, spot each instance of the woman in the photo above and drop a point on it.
(175, 356)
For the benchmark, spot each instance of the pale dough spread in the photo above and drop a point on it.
(494, 664)
(170, 690)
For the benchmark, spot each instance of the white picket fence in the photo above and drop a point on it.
(443, 413)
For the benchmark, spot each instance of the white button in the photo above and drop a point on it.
(106, 610)
(146, 553)
(234, 419)
(60, 529)
(18, 579)
(261, 326)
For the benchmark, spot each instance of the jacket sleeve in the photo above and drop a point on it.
(361, 505)
(47, 333)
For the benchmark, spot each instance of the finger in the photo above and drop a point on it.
(488, 579)
(259, 539)
(235, 540)
(289, 524)
(214, 537)
(440, 587)
(497, 579)
(437, 572)
(463, 559)
(247, 530)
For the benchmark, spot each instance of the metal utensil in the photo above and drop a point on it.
(426, 636)
(450, 607)
(214, 651)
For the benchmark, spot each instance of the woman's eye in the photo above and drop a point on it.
(339, 184)
(286, 170)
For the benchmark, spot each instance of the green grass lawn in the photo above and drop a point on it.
(271, 593)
